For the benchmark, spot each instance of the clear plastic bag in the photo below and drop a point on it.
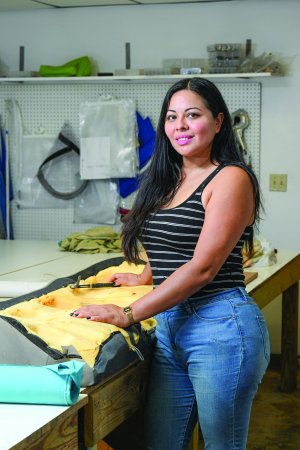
(262, 255)
(30, 192)
(268, 257)
(98, 204)
(108, 139)
(31, 150)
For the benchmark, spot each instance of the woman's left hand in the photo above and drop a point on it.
(112, 314)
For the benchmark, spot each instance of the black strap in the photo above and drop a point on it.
(70, 146)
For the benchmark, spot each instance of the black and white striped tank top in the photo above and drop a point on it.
(170, 237)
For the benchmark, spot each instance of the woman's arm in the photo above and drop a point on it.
(229, 208)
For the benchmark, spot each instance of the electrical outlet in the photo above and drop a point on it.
(278, 182)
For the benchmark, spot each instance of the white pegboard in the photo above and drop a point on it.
(48, 106)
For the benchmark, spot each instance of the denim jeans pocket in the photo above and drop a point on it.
(214, 311)
(265, 336)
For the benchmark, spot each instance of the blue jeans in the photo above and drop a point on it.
(210, 356)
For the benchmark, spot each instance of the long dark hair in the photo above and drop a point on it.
(163, 177)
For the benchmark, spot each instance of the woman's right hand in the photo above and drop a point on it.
(126, 279)
(133, 279)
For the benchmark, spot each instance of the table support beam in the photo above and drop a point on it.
(289, 339)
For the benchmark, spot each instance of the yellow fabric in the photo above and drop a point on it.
(49, 317)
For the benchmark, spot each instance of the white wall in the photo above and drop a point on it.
(184, 30)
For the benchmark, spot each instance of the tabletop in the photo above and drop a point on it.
(19, 421)
(26, 266)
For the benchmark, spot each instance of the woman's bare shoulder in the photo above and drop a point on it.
(233, 174)
(231, 182)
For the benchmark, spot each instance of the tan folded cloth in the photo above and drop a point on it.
(93, 240)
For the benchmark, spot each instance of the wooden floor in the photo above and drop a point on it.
(275, 419)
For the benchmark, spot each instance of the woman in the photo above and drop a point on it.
(194, 212)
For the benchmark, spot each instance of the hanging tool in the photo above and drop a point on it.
(90, 285)
(240, 121)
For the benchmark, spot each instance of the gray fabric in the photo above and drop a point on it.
(17, 346)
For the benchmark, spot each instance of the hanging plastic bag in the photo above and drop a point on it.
(31, 150)
(69, 146)
(30, 192)
(108, 139)
(98, 204)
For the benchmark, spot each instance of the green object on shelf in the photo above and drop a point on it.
(55, 384)
(80, 67)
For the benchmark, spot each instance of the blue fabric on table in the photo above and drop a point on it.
(55, 384)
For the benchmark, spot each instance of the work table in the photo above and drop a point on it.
(26, 266)
(38, 263)
(35, 264)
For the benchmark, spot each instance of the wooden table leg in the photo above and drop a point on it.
(289, 339)
(114, 402)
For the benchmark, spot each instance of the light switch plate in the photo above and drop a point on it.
(278, 182)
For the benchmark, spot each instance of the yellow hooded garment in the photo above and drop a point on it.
(49, 317)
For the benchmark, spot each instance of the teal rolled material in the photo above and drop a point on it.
(55, 384)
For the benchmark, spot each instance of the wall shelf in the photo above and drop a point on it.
(135, 79)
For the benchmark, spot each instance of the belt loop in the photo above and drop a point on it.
(189, 306)
(243, 292)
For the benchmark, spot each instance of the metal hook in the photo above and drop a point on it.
(240, 121)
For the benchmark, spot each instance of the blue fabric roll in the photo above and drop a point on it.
(55, 384)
